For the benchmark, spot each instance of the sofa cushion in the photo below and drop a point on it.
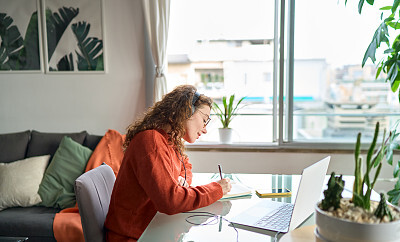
(47, 143)
(109, 150)
(15, 144)
(69, 162)
(31, 222)
(91, 141)
(19, 181)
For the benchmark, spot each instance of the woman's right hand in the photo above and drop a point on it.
(225, 184)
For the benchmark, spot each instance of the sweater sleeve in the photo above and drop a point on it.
(157, 171)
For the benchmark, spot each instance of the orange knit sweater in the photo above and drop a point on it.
(147, 182)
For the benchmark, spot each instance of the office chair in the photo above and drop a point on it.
(93, 193)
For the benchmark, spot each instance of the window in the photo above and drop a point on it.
(334, 98)
(232, 47)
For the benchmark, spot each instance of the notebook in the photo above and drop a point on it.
(284, 217)
(237, 190)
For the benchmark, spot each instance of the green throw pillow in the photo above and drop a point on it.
(68, 163)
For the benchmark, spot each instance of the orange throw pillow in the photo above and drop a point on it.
(67, 224)
(108, 150)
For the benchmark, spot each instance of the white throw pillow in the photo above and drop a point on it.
(19, 181)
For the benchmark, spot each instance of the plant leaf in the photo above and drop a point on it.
(380, 36)
(360, 5)
(397, 185)
(389, 156)
(386, 8)
(229, 110)
(91, 48)
(30, 52)
(219, 113)
(378, 157)
(378, 72)
(393, 192)
(391, 70)
(357, 186)
(388, 51)
(394, 199)
(394, 77)
(372, 146)
(394, 86)
(396, 169)
(370, 53)
(100, 63)
(3, 59)
(56, 24)
(389, 19)
(394, 25)
(378, 171)
(66, 63)
(395, 5)
(225, 113)
(11, 44)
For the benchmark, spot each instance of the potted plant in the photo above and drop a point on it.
(389, 64)
(358, 218)
(225, 114)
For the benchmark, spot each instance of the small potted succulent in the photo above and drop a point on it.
(358, 218)
(225, 114)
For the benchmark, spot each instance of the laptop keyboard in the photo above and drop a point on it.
(278, 221)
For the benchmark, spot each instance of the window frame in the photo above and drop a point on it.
(283, 85)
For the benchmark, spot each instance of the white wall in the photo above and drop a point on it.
(98, 102)
(92, 102)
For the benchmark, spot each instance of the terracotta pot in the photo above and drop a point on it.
(330, 228)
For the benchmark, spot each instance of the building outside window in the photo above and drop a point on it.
(229, 47)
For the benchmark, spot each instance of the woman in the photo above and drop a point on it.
(155, 173)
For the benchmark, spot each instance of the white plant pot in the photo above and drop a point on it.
(225, 135)
(330, 228)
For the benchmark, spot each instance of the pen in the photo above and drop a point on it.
(220, 171)
(220, 217)
(220, 223)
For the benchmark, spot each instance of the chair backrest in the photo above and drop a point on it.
(93, 192)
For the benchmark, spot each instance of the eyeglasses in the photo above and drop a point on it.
(208, 118)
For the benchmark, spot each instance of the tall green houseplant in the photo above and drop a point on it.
(390, 65)
(227, 111)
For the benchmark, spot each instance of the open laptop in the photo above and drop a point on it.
(284, 217)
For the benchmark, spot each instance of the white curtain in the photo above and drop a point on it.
(156, 14)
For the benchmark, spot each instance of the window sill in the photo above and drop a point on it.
(331, 148)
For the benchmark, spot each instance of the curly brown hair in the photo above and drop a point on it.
(172, 111)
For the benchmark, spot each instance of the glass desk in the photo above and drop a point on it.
(180, 227)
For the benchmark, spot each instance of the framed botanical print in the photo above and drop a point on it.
(20, 36)
(73, 36)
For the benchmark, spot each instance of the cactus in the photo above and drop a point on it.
(383, 209)
(333, 193)
(373, 162)
(361, 199)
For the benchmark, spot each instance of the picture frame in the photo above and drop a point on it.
(21, 37)
(73, 36)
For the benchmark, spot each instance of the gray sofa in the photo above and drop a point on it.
(35, 222)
